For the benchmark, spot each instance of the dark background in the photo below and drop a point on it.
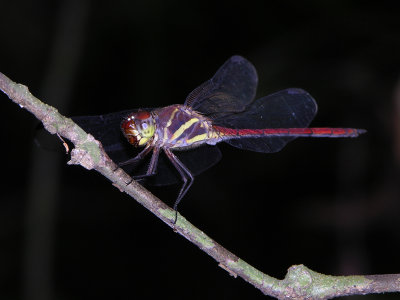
(333, 205)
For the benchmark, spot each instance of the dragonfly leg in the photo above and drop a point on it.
(152, 169)
(154, 162)
(187, 178)
(138, 157)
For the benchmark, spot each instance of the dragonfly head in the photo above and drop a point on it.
(138, 127)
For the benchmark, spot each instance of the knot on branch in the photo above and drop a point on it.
(87, 154)
(299, 282)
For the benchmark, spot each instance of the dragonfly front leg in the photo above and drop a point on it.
(187, 178)
(135, 159)
(152, 169)
(138, 157)
(153, 163)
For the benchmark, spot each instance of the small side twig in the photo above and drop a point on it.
(299, 283)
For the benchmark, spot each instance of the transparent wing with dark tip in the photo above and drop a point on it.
(290, 108)
(230, 90)
(106, 129)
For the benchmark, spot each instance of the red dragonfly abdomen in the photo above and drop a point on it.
(229, 133)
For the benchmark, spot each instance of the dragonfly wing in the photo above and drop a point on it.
(290, 108)
(230, 90)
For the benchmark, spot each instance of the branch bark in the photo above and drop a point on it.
(299, 282)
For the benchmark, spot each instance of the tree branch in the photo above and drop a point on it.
(299, 283)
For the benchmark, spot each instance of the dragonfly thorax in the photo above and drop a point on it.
(138, 127)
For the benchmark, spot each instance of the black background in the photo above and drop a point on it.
(330, 204)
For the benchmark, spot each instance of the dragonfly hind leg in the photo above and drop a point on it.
(187, 178)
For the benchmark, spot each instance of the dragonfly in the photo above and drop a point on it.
(183, 138)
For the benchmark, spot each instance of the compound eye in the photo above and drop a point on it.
(142, 115)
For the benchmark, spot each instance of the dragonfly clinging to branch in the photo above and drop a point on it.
(222, 109)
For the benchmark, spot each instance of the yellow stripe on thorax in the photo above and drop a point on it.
(197, 138)
(170, 121)
(183, 127)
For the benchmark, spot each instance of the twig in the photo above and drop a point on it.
(299, 283)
